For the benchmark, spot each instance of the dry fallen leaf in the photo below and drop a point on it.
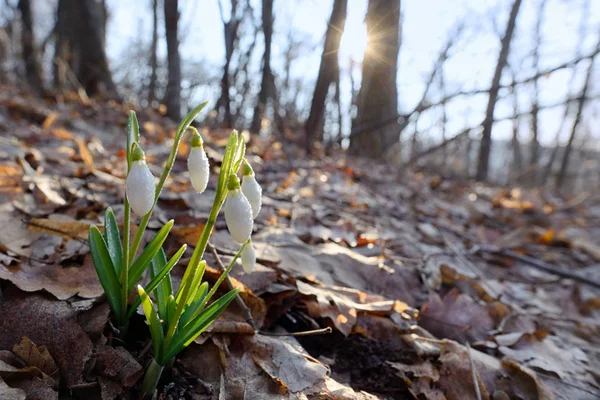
(61, 281)
(50, 323)
(8, 393)
(456, 317)
(285, 361)
(36, 356)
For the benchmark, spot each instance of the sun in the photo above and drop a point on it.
(354, 42)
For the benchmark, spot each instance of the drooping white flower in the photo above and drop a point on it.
(238, 212)
(198, 165)
(140, 186)
(248, 257)
(251, 189)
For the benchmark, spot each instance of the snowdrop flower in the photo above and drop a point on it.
(140, 186)
(238, 212)
(198, 165)
(248, 258)
(251, 189)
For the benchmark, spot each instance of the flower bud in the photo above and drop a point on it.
(198, 165)
(238, 213)
(251, 190)
(248, 258)
(140, 186)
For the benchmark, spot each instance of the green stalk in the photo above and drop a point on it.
(125, 266)
(183, 127)
(223, 275)
(151, 378)
(194, 264)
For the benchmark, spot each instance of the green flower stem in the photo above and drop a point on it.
(224, 275)
(151, 378)
(183, 127)
(125, 265)
(195, 263)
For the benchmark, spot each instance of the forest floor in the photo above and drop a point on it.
(434, 288)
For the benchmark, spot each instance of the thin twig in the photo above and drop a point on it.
(238, 299)
(474, 373)
(303, 333)
(541, 265)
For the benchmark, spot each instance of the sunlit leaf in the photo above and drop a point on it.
(198, 325)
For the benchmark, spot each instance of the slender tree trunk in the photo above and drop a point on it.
(486, 138)
(172, 97)
(267, 85)
(230, 33)
(327, 70)
(564, 166)
(378, 96)
(32, 70)
(442, 87)
(153, 55)
(535, 107)
(516, 145)
(583, 30)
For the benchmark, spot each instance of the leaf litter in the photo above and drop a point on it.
(404, 267)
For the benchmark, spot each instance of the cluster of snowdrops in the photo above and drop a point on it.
(175, 317)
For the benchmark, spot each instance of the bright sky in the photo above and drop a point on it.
(427, 24)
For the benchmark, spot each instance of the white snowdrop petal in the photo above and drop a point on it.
(253, 193)
(140, 188)
(199, 168)
(238, 216)
(248, 258)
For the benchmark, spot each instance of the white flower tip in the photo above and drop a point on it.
(199, 169)
(253, 193)
(248, 258)
(238, 216)
(140, 188)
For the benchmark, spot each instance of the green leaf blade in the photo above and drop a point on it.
(199, 324)
(144, 260)
(195, 306)
(157, 280)
(165, 288)
(105, 270)
(156, 331)
(113, 240)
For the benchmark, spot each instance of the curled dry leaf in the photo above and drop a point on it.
(36, 356)
(46, 322)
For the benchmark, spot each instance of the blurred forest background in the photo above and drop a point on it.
(498, 90)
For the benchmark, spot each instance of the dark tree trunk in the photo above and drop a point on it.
(378, 96)
(172, 97)
(32, 70)
(564, 166)
(230, 32)
(327, 71)
(516, 146)
(153, 55)
(80, 46)
(486, 138)
(267, 86)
